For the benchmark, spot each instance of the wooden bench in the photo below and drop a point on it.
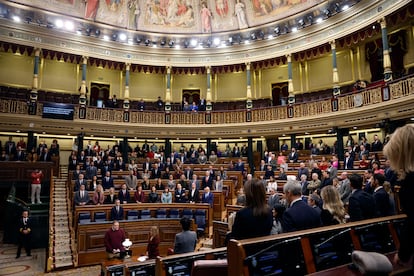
(313, 250)
(152, 207)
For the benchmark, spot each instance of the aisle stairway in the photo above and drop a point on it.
(61, 242)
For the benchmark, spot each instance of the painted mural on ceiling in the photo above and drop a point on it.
(177, 16)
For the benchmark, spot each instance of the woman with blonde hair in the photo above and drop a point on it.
(98, 195)
(333, 211)
(153, 243)
(400, 152)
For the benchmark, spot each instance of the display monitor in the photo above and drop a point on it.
(58, 111)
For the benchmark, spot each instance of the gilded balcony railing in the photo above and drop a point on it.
(398, 89)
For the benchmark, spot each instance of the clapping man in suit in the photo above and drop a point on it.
(107, 181)
(131, 180)
(207, 180)
(123, 194)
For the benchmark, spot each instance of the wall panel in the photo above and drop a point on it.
(16, 70)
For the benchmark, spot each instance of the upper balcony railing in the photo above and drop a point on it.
(401, 88)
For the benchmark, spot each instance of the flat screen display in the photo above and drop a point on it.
(58, 111)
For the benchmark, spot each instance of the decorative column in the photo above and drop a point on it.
(291, 98)
(249, 102)
(335, 77)
(126, 92)
(168, 91)
(340, 134)
(35, 84)
(250, 154)
(82, 98)
(386, 53)
(208, 94)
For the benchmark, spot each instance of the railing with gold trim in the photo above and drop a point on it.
(398, 89)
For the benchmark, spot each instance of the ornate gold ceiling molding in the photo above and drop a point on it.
(357, 17)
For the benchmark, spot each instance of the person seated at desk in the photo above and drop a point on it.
(117, 212)
(113, 241)
(186, 240)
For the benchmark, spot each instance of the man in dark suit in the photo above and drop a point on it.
(185, 241)
(20, 155)
(188, 173)
(46, 156)
(382, 198)
(155, 172)
(193, 194)
(82, 196)
(293, 156)
(25, 231)
(117, 212)
(348, 161)
(81, 181)
(207, 180)
(269, 172)
(239, 166)
(299, 215)
(107, 181)
(361, 203)
(179, 194)
(123, 194)
(147, 165)
(207, 197)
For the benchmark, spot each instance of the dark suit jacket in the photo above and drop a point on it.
(207, 183)
(123, 197)
(108, 199)
(79, 199)
(208, 199)
(300, 216)
(382, 203)
(78, 184)
(179, 196)
(20, 157)
(144, 166)
(361, 205)
(46, 157)
(156, 174)
(107, 184)
(194, 198)
(185, 242)
(293, 157)
(117, 215)
(350, 164)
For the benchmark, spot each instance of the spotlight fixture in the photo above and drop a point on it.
(337, 8)
(58, 23)
(277, 30)
(163, 42)
(345, 7)
(97, 32)
(114, 37)
(106, 38)
(16, 18)
(253, 36)
(216, 41)
(88, 31)
(171, 43)
(186, 43)
(301, 22)
(122, 37)
(327, 12)
(261, 35)
(286, 28)
(147, 42)
(193, 42)
(294, 29)
(208, 43)
(138, 39)
(69, 25)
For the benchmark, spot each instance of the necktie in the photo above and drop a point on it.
(117, 209)
(81, 194)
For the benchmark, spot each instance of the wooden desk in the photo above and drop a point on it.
(128, 266)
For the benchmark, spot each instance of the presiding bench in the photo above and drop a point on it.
(90, 237)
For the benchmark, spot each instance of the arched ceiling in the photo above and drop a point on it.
(272, 29)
